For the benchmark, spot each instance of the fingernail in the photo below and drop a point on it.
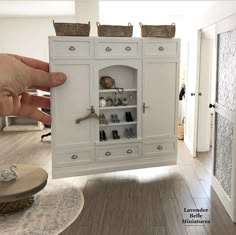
(59, 77)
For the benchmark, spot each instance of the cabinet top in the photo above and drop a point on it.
(73, 38)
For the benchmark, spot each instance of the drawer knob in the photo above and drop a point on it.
(108, 49)
(129, 151)
(128, 48)
(161, 48)
(72, 48)
(74, 156)
(108, 154)
(159, 147)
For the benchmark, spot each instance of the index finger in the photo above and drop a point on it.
(33, 63)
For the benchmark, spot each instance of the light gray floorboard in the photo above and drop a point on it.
(136, 202)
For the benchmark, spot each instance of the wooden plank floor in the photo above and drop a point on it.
(136, 202)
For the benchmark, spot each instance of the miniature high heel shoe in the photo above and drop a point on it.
(127, 134)
(126, 116)
(104, 119)
(104, 137)
(131, 133)
(116, 118)
(113, 135)
(112, 118)
(130, 117)
(117, 136)
(100, 136)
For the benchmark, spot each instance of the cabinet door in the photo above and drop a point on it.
(159, 116)
(71, 101)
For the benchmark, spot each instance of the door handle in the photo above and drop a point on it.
(145, 107)
(128, 48)
(161, 48)
(192, 94)
(211, 106)
(108, 49)
(92, 114)
(72, 48)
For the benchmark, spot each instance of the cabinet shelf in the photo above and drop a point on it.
(119, 141)
(118, 107)
(115, 90)
(117, 124)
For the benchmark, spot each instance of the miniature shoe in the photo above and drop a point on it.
(130, 117)
(116, 119)
(126, 116)
(100, 119)
(127, 134)
(104, 119)
(113, 134)
(131, 133)
(100, 136)
(104, 137)
(112, 118)
(117, 136)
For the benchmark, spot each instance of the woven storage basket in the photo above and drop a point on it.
(159, 31)
(72, 29)
(181, 131)
(114, 30)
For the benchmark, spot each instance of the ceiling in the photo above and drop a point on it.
(161, 7)
(38, 8)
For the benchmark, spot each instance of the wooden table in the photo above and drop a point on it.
(18, 194)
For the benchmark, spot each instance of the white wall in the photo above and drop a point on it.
(87, 10)
(27, 36)
(214, 14)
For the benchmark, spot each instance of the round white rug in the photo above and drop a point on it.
(54, 209)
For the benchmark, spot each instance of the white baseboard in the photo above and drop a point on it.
(224, 198)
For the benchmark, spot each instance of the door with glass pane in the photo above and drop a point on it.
(224, 126)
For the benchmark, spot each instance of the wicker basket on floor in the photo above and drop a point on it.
(115, 30)
(159, 31)
(180, 131)
(72, 29)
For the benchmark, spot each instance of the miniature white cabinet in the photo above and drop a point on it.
(131, 125)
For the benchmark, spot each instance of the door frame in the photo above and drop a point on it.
(191, 143)
(206, 79)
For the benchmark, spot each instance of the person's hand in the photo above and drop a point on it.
(18, 73)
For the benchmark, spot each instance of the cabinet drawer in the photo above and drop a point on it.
(70, 49)
(117, 49)
(160, 148)
(160, 49)
(117, 152)
(72, 157)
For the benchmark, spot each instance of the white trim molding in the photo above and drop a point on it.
(224, 198)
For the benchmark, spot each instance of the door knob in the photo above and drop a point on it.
(145, 107)
(192, 94)
(211, 106)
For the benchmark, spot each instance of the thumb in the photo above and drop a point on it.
(39, 78)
